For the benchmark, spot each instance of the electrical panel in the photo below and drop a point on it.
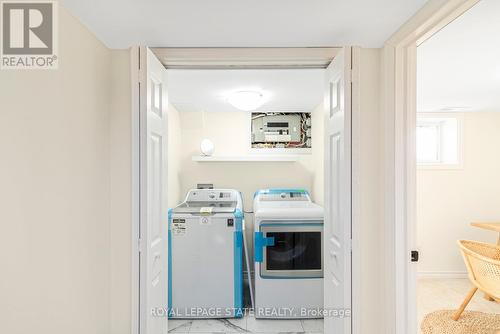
(281, 130)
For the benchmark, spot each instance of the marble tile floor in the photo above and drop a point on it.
(246, 325)
(432, 295)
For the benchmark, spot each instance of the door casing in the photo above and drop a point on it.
(356, 269)
(399, 115)
(399, 123)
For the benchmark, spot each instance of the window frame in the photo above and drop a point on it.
(459, 117)
(439, 153)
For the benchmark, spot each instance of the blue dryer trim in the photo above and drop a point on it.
(280, 190)
(170, 212)
(259, 244)
(238, 264)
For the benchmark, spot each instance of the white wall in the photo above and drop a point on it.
(55, 190)
(449, 200)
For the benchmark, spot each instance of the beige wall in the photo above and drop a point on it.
(448, 200)
(175, 194)
(368, 182)
(55, 191)
(120, 194)
(318, 156)
(65, 191)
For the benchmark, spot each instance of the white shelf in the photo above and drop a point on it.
(247, 158)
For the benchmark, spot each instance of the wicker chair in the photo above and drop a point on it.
(483, 266)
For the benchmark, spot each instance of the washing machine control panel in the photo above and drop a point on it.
(212, 195)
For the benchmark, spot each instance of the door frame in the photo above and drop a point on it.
(138, 306)
(399, 66)
(136, 189)
(356, 269)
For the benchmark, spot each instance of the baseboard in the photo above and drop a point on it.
(442, 274)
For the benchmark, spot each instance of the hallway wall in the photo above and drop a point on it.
(120, 248)
(55, 190)
(368, 214)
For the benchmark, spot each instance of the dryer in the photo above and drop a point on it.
(288, 249)
(206, 254)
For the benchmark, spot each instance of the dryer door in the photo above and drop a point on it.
(297, 250)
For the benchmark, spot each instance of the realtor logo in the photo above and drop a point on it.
(29, 35)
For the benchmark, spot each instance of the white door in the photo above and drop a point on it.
(153, 195)
(337, 236)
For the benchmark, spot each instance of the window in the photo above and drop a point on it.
(439, 140)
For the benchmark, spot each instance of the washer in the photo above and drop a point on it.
(288, 248)
(206, 254)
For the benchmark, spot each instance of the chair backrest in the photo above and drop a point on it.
(483, 265)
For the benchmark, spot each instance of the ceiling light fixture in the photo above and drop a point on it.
(246, 100)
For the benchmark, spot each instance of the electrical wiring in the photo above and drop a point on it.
(284, 132)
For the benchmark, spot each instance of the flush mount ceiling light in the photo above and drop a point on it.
(246, 100)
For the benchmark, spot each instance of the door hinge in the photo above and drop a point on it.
(139, 57)
(139, 67)
(414, 256)
(139, 244)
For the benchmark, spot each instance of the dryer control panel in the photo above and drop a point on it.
(284, 196)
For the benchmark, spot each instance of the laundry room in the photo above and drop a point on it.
(239, 136)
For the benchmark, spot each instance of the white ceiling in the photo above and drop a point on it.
(205, 90)
(460, 65)
(238, 23)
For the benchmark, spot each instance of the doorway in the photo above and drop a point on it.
(400, 102)
(456, 182)
(339, 151)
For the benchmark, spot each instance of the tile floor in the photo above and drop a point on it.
(447, 294)
(246, 325)
(432, 295)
